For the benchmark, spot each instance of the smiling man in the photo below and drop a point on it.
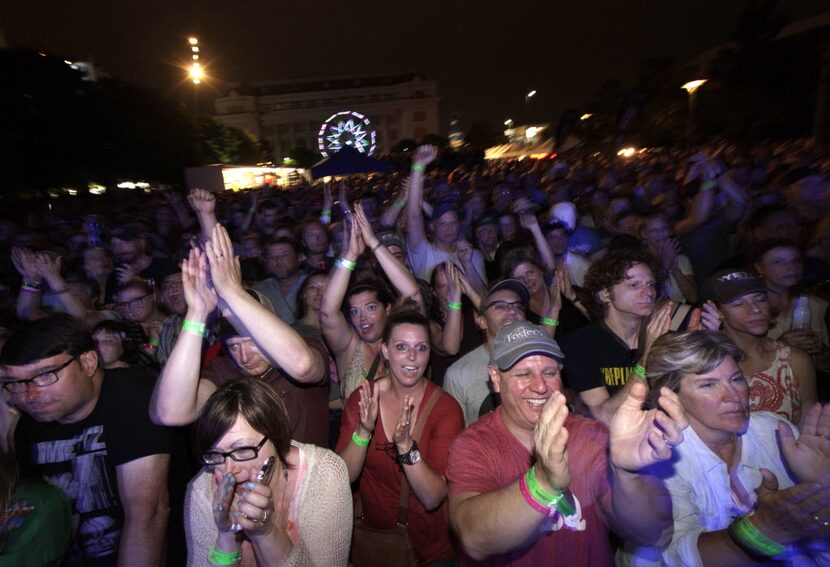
(87, 432)
(530, 482)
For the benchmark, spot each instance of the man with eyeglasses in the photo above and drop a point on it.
(467, 379)
(90, 435)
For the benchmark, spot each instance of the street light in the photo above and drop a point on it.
(193, 41)
(585, 116)
(509, 122)
(196, 73)
(528, 96)
(531, 93)
(691, 87)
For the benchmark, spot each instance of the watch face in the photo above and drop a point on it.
(415, 456)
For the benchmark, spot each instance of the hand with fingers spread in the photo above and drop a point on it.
(402, 437)
(638, 437)
(24, 262)
(550, 440)
(200, 299)
(368, 409)
(202, 201)
(225, 271)
(809, 456)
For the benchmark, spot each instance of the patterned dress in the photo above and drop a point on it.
(776, 389)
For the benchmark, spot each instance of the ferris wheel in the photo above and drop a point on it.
(346, 128)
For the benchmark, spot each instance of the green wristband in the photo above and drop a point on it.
(325, 213)
(153, 342)
(752, 540)
(346, 264)
(550, 322)
(194, 327)
(545, 498)
(454, 305)
(419, 167)
(360, 441)
(640, 371)
(217, 557)
(706, 185)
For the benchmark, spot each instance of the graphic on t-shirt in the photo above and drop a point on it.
(78, 468)
(615, 376)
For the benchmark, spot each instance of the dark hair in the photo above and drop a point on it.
(131, 335)
(518, 256)
(284, 240)
(301, 306)
(761, 249)
(45, 338)
(609, 271)
(763, 214)
(257, 402)
(405, 316)
(137, 283)
(379, 290)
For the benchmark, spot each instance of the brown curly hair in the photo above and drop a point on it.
(610, 270)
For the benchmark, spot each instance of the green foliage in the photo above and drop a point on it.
(303, 157)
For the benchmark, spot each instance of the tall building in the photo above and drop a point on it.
(289, 114)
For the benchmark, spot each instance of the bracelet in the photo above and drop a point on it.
(752, 541)
(346, 264)
(454, 305)
(550, 322)
(325, 213)
(33, 285)
(557, 501)
(194, 327)
(530, 500)
(706, 185)
(153, 343)
(29, 289)
(640, 371)
(217, 557)
(419, 167)
(376, 246)
(360, 441)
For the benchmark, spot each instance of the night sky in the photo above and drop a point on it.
(485, 55)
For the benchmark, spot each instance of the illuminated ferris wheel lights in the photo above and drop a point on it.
(346, 128)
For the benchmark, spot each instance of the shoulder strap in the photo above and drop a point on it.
(403, 503)
(374, 368)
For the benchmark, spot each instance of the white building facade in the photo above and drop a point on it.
(289, 114)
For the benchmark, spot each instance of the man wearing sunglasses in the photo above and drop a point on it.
(467, 379)
(90, 435)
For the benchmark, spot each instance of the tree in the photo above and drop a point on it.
(304, 157)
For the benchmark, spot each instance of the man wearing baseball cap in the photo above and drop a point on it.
(530, 482)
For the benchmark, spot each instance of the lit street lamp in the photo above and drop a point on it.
(691, 87)
(585, 116)
(528, 96)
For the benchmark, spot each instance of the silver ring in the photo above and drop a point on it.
(220, 255)
(265, 517)
(219, 508)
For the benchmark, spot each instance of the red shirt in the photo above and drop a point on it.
(380, 481)
(488, 457)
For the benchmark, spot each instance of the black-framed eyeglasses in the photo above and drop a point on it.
(239, 454)
(133, 303)
(502, 306)
(41, 380)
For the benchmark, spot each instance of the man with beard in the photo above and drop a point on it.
(283, 263)
(129, 252)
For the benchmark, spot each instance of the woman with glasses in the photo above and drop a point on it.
(136, 301)
(297, 512)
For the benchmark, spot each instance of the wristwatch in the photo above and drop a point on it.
(410, 457)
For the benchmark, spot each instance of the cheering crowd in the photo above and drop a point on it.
(585, 360)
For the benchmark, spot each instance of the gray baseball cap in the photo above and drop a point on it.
(519, 339)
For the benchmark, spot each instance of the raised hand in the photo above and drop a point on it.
(550, 440)
(638, 437)
(809, 456)
(202, 201)
(343, 201)
(328, 200)
(563, 279)
(402, 437)
(125, 273)
(255, 506)
(658, 326)
(366, 230)
(453, 282)
(368, 407)
(355, 246)
(528, 220)
(223, 498)
(224, 266)
(24, 262)
(464, 250)
(199, 297)
(49, 266)
(711, 318)
(424, 155)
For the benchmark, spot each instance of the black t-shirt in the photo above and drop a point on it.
(594, 357)
(81, 459)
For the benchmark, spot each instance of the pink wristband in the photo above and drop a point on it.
(530, 500)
